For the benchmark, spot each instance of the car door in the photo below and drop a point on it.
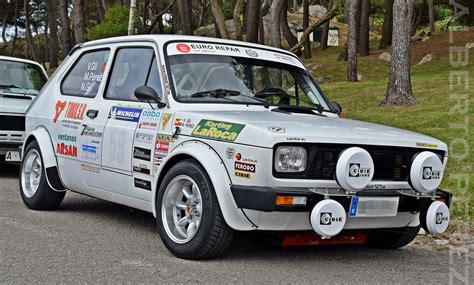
(130, 131)
(79, 118)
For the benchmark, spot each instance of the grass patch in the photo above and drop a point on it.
(431, 115)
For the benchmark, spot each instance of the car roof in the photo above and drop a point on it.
(162, 39)
(17, 59)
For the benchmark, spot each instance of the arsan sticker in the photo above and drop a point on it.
(217, 130)
(125, 114)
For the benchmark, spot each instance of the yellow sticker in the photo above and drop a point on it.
(165, 120)
(242, 175)
(430, 145)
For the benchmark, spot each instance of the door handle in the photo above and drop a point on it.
(92, 113)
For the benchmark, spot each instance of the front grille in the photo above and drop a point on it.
(390, 163)
(12, 123)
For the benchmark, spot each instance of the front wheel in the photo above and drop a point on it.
(189, 218)
(34, 188)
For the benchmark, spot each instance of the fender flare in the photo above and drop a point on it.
(41, 135)
(215, 168)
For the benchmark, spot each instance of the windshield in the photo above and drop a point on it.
(20, 77)
(247, 80)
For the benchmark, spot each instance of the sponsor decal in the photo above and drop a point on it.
(296, 139)
(376, 186)
(90, 132)
(60, 106)
(148, 125)
(230, 152)
(242, 175)
(144, 137)
(89, 151)
(283, 57)
(144, 184)
(66, 137)
(251, 53)
(217, 130)
(430, 145)
(429, 173)
(142, 153)
(69, 124)
(90, 167)
(142, 168)
(327, 219)
(158, 160)
(165, 138)
(276, 129)
(162, 148)
(356, 171)
(185, 123)
(125, 114)
(354, 206)
(165, 120)
(440, 218)
(66, 150)
(244, 167)
(151, 114)
(238, 156)
(184, 48)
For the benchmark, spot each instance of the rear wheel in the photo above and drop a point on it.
(34, 188)
(392, 239)
(189, 218)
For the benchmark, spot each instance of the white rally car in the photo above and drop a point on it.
(20, 82)
(215, 136)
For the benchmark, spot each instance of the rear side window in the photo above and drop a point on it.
(84, 78)
(132, 68)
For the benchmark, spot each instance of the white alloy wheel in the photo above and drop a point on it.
(31, 173)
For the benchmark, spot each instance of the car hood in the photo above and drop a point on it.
(268, 128)
(17, 104)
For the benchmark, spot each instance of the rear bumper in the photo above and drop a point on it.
(263, 199)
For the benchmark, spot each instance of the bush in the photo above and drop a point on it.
(115, 24)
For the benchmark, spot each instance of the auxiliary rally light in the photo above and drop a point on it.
(290, 200)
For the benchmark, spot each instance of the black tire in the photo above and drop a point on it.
(392, 239)
(45, 197)
(213, 236)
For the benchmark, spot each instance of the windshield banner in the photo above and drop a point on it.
(181, 48)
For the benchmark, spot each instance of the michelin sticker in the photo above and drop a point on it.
(125, 114)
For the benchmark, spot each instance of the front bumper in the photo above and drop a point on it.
(263, 198)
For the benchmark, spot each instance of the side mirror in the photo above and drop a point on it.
(336, 107)
(147, 94)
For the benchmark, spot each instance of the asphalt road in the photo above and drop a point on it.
(89, 240)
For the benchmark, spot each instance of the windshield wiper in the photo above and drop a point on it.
(11, 86)
(223, 93)
(299, 109)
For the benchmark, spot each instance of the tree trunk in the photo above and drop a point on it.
(364, 42)
(239, 6)
(79, 15)
(100, 11)
(131, 18)
(399, 90)
(185, 17)
(65, 28)
(53, 34)
(275, 15)
(159, 8)
(431, 16)
(29, 38)
(387, 27)
(307, 42)
(417, 21)
(285, 28)
(15, 24)
(4, 25)
(261, 28)
(324, 37)
(219, 18)
(352, 41)
(253, 20)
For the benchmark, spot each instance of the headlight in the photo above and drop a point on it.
(290, 159)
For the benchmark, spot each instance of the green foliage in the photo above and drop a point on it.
(114, 24)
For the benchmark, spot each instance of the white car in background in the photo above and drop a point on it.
(215, 136)
(20, 82)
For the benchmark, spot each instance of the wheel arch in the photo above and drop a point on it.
(215, 168)
(42, 137)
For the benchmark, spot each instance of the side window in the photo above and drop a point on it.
(86, 75)
(133, 67)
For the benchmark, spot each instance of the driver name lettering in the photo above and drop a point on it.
(217, 130)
